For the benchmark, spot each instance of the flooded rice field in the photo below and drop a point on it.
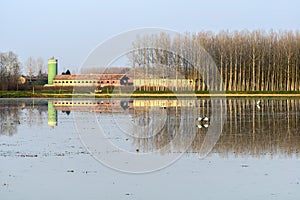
(150, 148)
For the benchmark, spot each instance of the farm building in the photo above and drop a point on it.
(89, 80)
(137, 78)
(156, 84)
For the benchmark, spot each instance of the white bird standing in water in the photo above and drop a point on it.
(202, 122)
(205, 119)
(258, 103)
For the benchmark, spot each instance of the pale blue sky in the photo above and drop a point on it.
(69, 30)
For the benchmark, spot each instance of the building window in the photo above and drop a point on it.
(86, 82)
(107, 81)
(63, 81)
(67, 81)
(101, 81)
(70, 81)
(113, 82)
(90, 81)
(94, 81)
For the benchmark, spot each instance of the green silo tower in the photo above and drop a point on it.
(52, 114)
(52, 70)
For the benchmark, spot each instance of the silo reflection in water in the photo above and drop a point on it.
(52, 114)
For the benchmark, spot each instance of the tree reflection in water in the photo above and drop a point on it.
(270, 128)
(9, 118)
(17, 112)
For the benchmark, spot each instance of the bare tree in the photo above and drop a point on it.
(247, 61)
(31, 67)
(9, 70)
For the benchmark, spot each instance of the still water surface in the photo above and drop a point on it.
(255, 156)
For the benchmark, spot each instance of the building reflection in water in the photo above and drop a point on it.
(272, 127)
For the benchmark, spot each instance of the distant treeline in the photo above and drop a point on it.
(107, 70)
(247, 61)
(9, 71)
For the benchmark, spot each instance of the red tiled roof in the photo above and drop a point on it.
(90, 77)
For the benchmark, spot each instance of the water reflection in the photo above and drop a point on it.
(9, 118)
(269, 127)
(15, 112)
(52, 114)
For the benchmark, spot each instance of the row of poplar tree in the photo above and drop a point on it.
(246, 61)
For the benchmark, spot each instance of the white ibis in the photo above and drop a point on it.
(199, 119)
(258, 104)
(205, 119)
(203, 122)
